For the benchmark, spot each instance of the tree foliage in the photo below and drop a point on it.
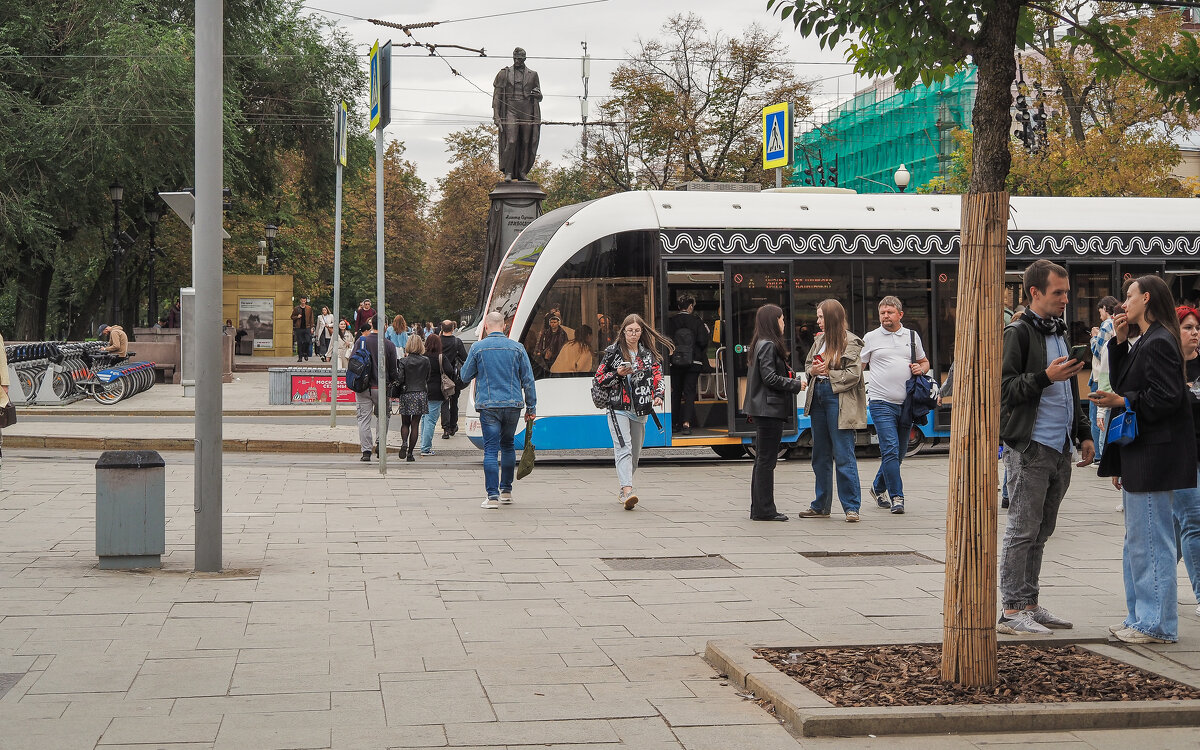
(688, 107)
(102, 90)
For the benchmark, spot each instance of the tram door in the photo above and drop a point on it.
(705, 285)
(750, 286)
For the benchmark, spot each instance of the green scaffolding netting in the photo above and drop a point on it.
(869, 137)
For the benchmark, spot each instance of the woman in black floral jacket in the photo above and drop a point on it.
(632, 370)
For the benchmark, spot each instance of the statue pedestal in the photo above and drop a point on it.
(514, 206)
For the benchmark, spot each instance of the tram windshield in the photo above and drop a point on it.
(522, 256)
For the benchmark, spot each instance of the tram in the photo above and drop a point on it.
(593, 263)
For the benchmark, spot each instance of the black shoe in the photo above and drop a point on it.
(687, 430)
(411, 456)
(774, 517)
(1004, 503)
(445, 436)
(299, 359)
(366, 456)
(403, 451)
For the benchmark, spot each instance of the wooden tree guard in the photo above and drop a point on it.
(969, 629)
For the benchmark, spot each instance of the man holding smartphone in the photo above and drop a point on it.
(1041, 420)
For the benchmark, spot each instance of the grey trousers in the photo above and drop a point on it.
(365, 408)
(633, 431)
(1043, 476)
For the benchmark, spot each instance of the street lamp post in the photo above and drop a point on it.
(902, 177)
(115, 194)
(262, 257)
(271, 260)
(152, 217)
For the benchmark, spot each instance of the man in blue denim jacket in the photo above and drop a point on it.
(505, 384)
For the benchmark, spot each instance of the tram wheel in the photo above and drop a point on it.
(784, 450)
(916, 441)
(730, 451)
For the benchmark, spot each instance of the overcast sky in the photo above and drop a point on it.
(429, 101)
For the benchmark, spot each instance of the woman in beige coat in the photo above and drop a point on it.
(836, 405)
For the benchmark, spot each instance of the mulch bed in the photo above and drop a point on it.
(909, 675)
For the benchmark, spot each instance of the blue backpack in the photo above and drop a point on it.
(358, 369)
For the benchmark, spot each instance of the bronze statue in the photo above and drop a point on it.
(517, 112)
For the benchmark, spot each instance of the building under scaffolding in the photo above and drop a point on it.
(864, 140)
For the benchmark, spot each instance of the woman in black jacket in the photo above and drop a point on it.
(439, 365)
(414, 399)
(770, 400)
(1148, 380)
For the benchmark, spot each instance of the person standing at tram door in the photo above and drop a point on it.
(893, 354)
(770, 401)
(631, 373)
(837, 406)
(689, 359)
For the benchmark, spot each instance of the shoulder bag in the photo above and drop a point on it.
(1122, 429)
(448, 384)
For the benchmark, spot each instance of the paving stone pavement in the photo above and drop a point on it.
(369, 612)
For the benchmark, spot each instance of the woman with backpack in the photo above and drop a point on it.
(630, 380)
(441, 373)
(413, 395)
(770, 400)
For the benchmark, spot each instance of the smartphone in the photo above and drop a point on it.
(1081, 353)
(818, 358)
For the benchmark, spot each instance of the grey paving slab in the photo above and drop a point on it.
(405, 616)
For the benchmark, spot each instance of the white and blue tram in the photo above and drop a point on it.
(595, 262)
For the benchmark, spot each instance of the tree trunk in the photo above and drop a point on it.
(33, 280)
(969, 629)
(969, 603)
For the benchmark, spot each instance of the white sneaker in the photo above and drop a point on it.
(491, 503)
(1120, 507)
(1022, 623)
(506, 498)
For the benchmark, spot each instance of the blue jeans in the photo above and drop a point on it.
(832, 446)
(499, 456)
(1097, 435)
(1150, 563)
(429, 425)
(893, 444)
(1187, 532)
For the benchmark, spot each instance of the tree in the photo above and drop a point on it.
(988, 33)
(460, 218)
(102, 90)
(689, 107)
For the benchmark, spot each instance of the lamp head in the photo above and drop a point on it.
(271, 231)
(902, 177)
(116, 192)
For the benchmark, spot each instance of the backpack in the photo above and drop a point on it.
(685, 347)
(448, 384)
(606, 396)
(358, 369)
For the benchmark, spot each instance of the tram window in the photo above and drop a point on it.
(590, 295)
(908, 281)
(946, 288)
(813, 282)
(1089, 285)
(1185, 286)
(518, 264)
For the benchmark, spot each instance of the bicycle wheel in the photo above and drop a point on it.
(27, 382)
(111, 393)
(64, 384)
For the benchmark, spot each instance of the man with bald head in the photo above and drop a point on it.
(517, 112)
(503, 379)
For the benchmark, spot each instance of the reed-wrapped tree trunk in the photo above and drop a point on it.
(969, 635)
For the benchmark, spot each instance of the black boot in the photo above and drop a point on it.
(366, 456)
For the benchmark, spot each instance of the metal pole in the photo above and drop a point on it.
(209, 166)
(778, 177)
(380, 339)
(337, 297)
(151, 296)
(116, 249)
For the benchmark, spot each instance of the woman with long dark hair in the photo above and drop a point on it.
(770, 401)
(632, 360)
(836, 406)
(438, 366)
(1148, 380)
(1187, 502)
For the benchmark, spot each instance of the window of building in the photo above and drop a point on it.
(582, 309)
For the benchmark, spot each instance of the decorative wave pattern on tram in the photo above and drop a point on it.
(936, 244)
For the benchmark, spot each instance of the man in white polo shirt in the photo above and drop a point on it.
(888, 351)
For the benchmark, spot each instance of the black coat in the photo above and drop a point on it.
(1163, 455)
(414, 373)
(770, 392)
(434, 381)
(700, 335)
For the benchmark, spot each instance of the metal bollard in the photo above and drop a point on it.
(130, 509)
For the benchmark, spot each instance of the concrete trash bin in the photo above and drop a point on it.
(131, 523)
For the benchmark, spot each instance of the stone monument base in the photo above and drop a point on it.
(515, 205)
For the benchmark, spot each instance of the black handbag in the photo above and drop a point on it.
(8, 415)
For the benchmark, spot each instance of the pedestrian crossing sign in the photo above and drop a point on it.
(375, 97)
(777, 135)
